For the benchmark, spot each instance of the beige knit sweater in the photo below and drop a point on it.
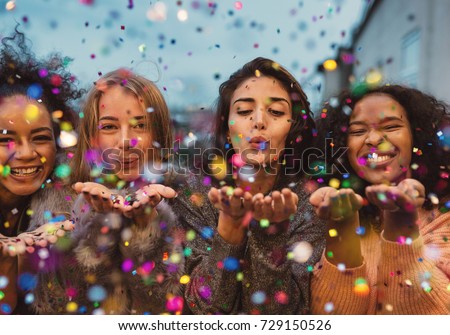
(401, 278)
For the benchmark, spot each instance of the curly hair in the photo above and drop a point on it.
(427, 117)
(45, 80)
(300, 136)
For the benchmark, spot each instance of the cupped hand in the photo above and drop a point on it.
(145, 200)
(42, 236)
(407, 196)
(331, 204)
(100, 198)
(234, 203)
(277, 207)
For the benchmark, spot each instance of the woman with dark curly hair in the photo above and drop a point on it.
(257, 215)
(386, 253)
(34, 103)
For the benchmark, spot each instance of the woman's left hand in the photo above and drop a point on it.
(407, 196)
(277, 207)
(142, 209)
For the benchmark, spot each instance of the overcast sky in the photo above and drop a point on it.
(189, 47)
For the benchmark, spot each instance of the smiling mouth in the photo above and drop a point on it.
(25, 172)
(375, 159)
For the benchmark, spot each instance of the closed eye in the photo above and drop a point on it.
(139, 126)
(42, 138)
(6, 140)
(357, 132)
(276, 112)
(244, 112)
(392, 127)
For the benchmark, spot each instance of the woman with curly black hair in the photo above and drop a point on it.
(387, 253)
(34, 103)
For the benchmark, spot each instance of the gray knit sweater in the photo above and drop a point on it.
(256, 277)
(113, 265)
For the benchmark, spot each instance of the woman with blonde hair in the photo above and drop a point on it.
(124, 240)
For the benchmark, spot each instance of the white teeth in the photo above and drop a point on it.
(375, 158)
(24, 172)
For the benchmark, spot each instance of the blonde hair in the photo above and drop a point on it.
(148, 94)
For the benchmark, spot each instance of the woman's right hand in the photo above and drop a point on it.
(340, 209)
(233, 205)
(99, 197)
(334, 205)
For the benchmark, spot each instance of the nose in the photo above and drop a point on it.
(25, 150)
(259, 119)
(124, 139)
(374, 137)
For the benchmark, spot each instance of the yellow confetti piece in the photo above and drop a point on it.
(374, 77)
(43, 159)
(333, 232)
(71, 307)
(290, 255)
(230, 191)
(330, 65)
(6, 224)
(334, 183)
(66, 126)
(91, 278)
(185, 279)
(31, 113)
(384, 147)
(239, 276)
(276, 66)
(126, 243)
(219, 167)
(175, 258)
(257, 73)
(190, 235)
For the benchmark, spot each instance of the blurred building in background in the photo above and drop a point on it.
(401, 41)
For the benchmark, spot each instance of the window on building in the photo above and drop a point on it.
(410, 58)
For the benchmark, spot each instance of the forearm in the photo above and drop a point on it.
(213, 286)
(333, 290)
(400, 224)
(343, 245)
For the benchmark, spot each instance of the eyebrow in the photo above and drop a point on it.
(112, 118)
(33, 131)
(272, 99)
(386, 119)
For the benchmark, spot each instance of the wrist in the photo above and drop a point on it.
(231, 229)
(400, 224)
